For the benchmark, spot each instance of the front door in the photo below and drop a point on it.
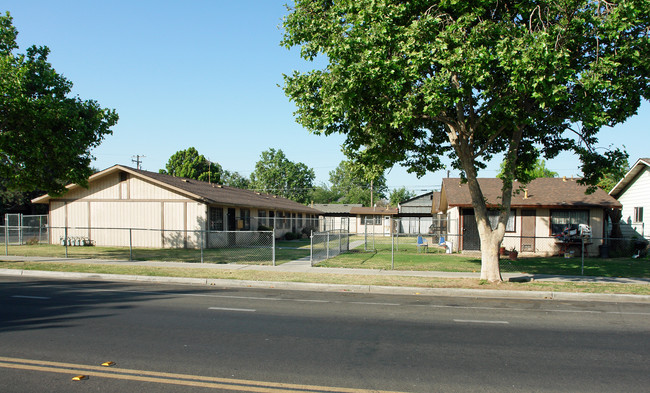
(471, 239)
(528, 230)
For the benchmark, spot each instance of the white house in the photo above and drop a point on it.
(633, 192)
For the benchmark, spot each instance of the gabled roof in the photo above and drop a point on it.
(637, 168)
(384, 211)
(423, 200)
(209, 193)
(541, 193)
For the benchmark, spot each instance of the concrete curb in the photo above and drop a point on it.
(371, 289)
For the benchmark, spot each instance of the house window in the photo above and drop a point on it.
(638, 214)
(372, 220)
(262, 217)
(561, 219)
(216, 219)
(245, 216)
(493, 216)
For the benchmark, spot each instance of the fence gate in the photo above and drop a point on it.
(12, 228)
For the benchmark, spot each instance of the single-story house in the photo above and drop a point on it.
(415, 215)
(335, 216)
(375, 220)
(633, 192)
(167, 211)
(539, 212)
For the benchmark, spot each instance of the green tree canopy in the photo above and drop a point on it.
(610, 177)
(353, 184)
(400, 195)
(275, 174)
(235, 179)
(190, 164)
(412, 82)
(324, 194)
(45, 135)
(539, 169)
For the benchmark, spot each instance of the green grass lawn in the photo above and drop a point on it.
(251, 255)
(405, 260)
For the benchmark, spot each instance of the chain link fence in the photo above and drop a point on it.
(326, 245)
(249, 247)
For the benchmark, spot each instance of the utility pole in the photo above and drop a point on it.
(137, 160)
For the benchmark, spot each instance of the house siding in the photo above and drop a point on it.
(636, 194)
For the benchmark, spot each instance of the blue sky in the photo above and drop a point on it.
(205, 74)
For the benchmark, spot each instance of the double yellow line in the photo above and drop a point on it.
(172, 378)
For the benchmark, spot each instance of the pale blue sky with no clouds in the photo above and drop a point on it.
(205, 74)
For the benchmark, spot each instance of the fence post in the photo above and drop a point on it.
(273, 243)
(65, 240)
(392, 252)
(582, 256)
(311, 248)
(328, 246)
(6, 236)
(202, 234)
(130, 244)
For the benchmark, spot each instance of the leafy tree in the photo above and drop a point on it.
(192, 165)
(324, 194)
(610, 178)
(538, 170)
(412, 82)
(275, 174)
(400, 195)
(45, 135)
(353, 184)
(234, 179)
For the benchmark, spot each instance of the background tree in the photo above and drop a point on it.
(412, 82)
(538, 170)
(353, 184)
(275, 174)
(234, 179)
(190, 164)
(45, 135)
(610, 178)
(324, 194)
(400, 195)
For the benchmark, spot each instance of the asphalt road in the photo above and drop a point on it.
(166, 338)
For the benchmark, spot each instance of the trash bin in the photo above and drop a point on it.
(604, 250)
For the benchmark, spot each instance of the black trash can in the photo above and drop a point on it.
(604, 250)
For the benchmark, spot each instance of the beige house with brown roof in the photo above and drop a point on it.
(167, 211)
(376, 220)
(540, 211)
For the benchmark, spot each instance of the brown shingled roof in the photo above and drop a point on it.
(542, 192)
(209, 193)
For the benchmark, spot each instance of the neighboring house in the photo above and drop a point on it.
(375, 220)
(336, 216)
(167, 211)
(633, 192)
(539, 212)
(415, 215)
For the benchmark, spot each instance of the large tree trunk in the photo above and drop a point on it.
(490, 269)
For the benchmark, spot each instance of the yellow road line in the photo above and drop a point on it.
(172, 378)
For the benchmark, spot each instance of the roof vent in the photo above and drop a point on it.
(564, 179)
(185, 180)
(525, 193)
